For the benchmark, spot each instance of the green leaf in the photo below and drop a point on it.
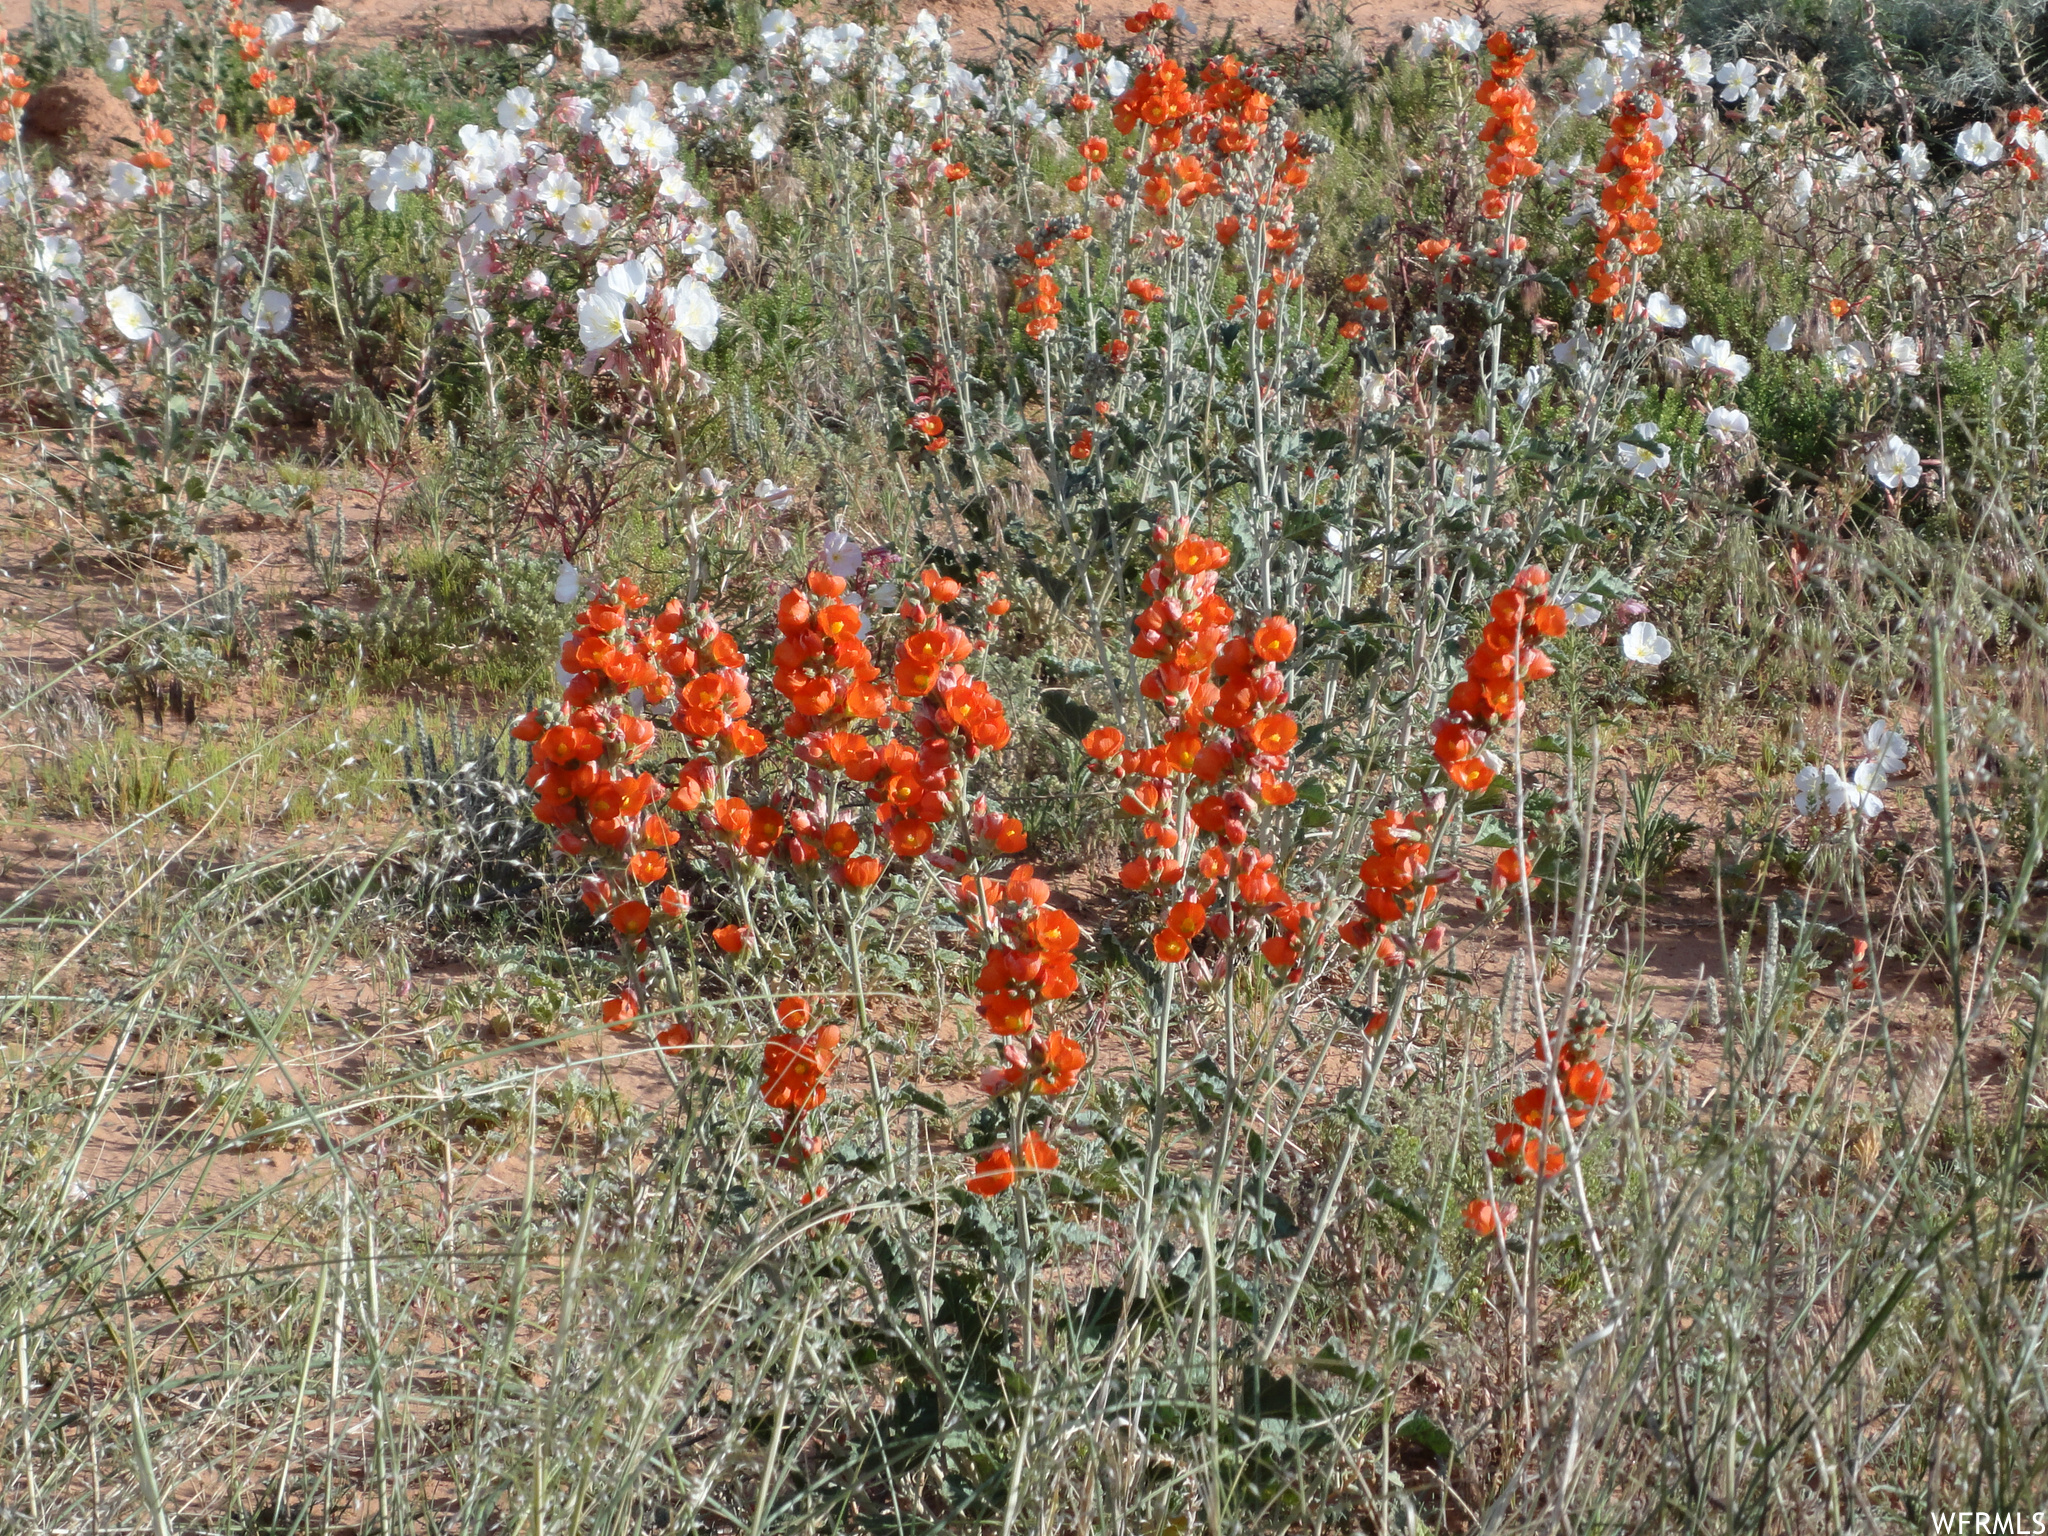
(1068, 713)
(1420, 1429)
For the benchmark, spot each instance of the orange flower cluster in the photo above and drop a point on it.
(1395, 881)
(821, 665)
(590, 787)
(1633, 156)
(1525, 1147)
(1030, 954)
(1364, 288)
(949, 705)
(2021, 125)
(996, 1171)
(794, 1069)
(1038, 291)
(1029, 960)
(1224, 756)
(1049, 1066)
(16, 86)
(251, 44)
(1509, 652)
(1511, 131)
(584, 773)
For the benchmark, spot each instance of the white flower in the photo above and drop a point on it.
(585, 222)
(1736, 79)
(1596, 85)
(1642, 644)
(516, 110)
(737, 232)
(279, 25)
(558, 192)
(564, 18)
(68, 312)
(130, 314)
(411, 166)
(269, 312)
(600, 318)
(760, 141)
(1580, 614)
(1977, 145)
(598, 64)
(1710, 354)
(125, 182)
(1780, 337)
(1887, 748)
(292, 180)
(1622, 42)
(1640, 461)
(101, 398)
(1577, 347)
(1698, 66)
(1904, 352)
(321, 25)
(58, 256)
(693, 312)
(1849, 361)
(1913, 161)
(1465, 35)
(629, 279)
(1823, 788)
(118, 55)
(1663, 312)
(1859, 794)
(543, 67)
(1894, 463)
(1802, 188)
(1726, 425)
(778, 30)
(842, 557)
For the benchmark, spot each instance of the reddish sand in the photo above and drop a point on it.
(1379, 22)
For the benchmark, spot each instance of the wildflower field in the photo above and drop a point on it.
(808, 772)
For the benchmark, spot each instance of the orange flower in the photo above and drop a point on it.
(732, 938)
(1485, 1217)
(794, 1066)
(993, 1174)
(996, 1171)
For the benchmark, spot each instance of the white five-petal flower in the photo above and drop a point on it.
(130, 314)
(1641, 644)
(1977, 145)
(1894, 464)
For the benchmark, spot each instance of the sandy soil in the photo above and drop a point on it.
(1379, 22)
